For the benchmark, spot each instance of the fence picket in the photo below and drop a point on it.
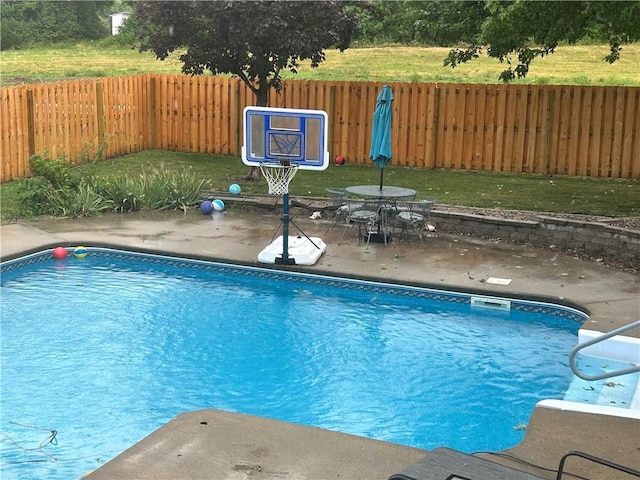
(635, 133)
(628, 134)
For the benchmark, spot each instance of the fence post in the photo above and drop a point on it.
(100, 112)
(432, 162)
(31, 124)
(331, 115)
(548, 131)
(152, 111)
(237, 107)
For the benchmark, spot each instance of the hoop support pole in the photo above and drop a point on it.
(285, 260)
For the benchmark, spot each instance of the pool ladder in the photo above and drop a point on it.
(615, 373)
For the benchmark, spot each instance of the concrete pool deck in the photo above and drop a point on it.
(213, 444)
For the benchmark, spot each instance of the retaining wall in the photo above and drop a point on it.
(597, 240)
(613, 245)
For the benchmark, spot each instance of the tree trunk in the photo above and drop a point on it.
(254, 174)
(262, 100)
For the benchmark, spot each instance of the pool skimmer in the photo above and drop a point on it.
(491, 302)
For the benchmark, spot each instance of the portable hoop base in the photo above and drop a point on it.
(300, 251)
(293, 250)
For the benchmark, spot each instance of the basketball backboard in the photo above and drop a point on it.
(274, 135)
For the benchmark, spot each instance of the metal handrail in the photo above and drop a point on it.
(601, 461)
(601, 338)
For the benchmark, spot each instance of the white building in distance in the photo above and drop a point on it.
(117, 20)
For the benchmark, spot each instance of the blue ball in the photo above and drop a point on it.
(218, 205)
(206, 207)
(234, 189)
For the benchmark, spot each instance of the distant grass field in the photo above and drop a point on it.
(580, 65)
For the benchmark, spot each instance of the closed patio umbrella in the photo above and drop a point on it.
(380, 151)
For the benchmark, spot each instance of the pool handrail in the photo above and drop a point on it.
(615, 373)
(598, 460)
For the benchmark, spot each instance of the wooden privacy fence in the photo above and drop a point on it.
(569, 130)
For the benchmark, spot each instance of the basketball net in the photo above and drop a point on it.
(278, 176)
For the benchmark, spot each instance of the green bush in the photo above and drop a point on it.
(56, 172)
(33, 197)
(83, 201)
(158, 190)
(55, 190)
(124, 193)
(166, 190)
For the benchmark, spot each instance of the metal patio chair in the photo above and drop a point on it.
(365, 214)
(414, 216)
(338, 204)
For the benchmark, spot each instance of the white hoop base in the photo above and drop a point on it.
(278, 176)
(303, 251)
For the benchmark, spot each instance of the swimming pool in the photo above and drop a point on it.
(104, 350)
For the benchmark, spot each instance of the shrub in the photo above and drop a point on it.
(54, 190)
(56, 172)
(33, 197)
(173, 190)
(158, 190)
(124, 193)
(83, 201)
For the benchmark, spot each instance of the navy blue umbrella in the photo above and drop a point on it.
(381, 131)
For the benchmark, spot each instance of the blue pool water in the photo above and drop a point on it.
(98, 353)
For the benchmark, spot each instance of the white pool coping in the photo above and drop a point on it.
(590, 408)
(621, 348)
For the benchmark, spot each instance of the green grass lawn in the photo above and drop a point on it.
(560, 194)
(573, 65)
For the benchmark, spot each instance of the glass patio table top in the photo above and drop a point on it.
(386, 193)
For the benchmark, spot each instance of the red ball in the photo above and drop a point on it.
(59, 253)
(339, 160)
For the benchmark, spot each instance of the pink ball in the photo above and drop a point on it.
(59, 253)
(339, 160)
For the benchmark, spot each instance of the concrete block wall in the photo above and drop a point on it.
(596, 240)
(614, 245)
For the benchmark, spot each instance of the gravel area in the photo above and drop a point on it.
(632, 223)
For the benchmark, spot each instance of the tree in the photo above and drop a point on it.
(254, 41)
(388, 22)
(37, 22)
(517, 31)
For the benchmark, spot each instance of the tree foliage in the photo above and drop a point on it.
(516, 32)
(33, 22)
(385, 22)
(254, 41)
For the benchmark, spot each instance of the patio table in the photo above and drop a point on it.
(386, 194)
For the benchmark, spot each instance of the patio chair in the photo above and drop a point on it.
(365, 214)
(338, 197)
(415, 216)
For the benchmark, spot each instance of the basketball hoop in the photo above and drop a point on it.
(282, 141)
(278, 176)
